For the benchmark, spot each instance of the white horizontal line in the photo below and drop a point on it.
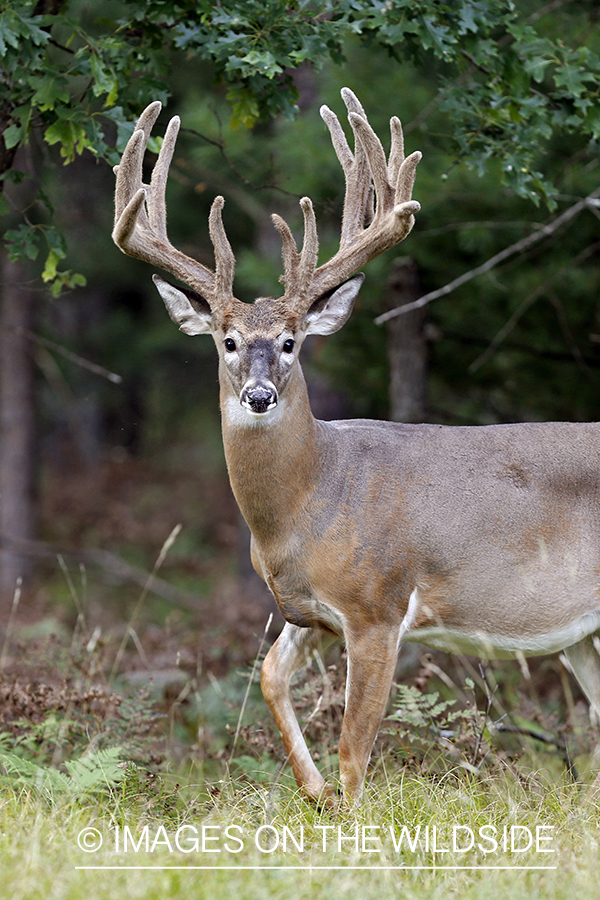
(305, 867)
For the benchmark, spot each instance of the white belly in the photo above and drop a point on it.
(498, 645)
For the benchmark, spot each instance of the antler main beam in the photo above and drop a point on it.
(140, 228)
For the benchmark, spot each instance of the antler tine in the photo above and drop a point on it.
(338, 138)
(353, 104)
(397, 148)
(358, 200)
(298, 267)
(224, 258)
(405, 183)
(140, 228)
(290, 254)
(157, 207)
(310, 245)
(364, 237)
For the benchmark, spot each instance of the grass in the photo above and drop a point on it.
(270, 842)
(94, 802)
(90, 824)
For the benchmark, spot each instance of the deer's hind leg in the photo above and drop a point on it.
(584, 659)
(292, 649)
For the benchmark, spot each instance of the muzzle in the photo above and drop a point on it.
(259, 399)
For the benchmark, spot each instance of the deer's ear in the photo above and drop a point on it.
(188, 309)
(329, 312)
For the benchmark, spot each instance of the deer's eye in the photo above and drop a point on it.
(288, 346)
(229, 345)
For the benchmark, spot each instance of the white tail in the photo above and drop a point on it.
(482, 539)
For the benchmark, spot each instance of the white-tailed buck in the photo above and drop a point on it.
(478, 539)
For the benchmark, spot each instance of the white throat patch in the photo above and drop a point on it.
(243, 417)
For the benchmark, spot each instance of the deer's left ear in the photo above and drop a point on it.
(188, 309)
(329, 312)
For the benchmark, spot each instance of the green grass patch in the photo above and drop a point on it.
(413, 836)
(94, 800)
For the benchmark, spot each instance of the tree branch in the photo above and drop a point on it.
(117, 568)
(591, 201)
(68, 354)
(508, 326)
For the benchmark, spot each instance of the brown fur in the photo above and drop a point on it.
(374, 532)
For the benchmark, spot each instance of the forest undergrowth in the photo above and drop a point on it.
(481, 779)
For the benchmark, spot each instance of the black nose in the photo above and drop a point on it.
(259, 399)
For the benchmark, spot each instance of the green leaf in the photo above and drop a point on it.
(105, 80)
(8, 34)
(573, 79)
(14, 175)
(264, 62)
(467, 18)
(52, 261)
(436, 36)
(537, 67)
(125, 126)
(49, 90)
(45, 200)
(70, 135)
(30, 29)
(245, 110)
(13, 135)
(67, 280)
(592, 121)
(22, 242)
(56, 241)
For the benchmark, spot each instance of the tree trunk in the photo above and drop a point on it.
(407, 345)
(407, 351)
(17, 425)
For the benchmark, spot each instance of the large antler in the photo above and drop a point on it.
(141, 218)
(378, 207)
(378, 212)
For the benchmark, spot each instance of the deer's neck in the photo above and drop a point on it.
(272, 461)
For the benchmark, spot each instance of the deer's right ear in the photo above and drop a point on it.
(188, 309)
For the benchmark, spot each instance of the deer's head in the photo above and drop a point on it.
(258, 343)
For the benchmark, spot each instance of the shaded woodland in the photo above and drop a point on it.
(110, 441)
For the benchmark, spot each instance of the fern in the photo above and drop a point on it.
(92, 773)
(436, 732)
(423, 710)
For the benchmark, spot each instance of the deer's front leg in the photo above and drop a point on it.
(291, 650)
(372, 656)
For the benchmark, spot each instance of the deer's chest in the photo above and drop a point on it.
(294, 595)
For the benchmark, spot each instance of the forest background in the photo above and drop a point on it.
(111, 463)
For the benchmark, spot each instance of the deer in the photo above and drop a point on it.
(479, 539)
